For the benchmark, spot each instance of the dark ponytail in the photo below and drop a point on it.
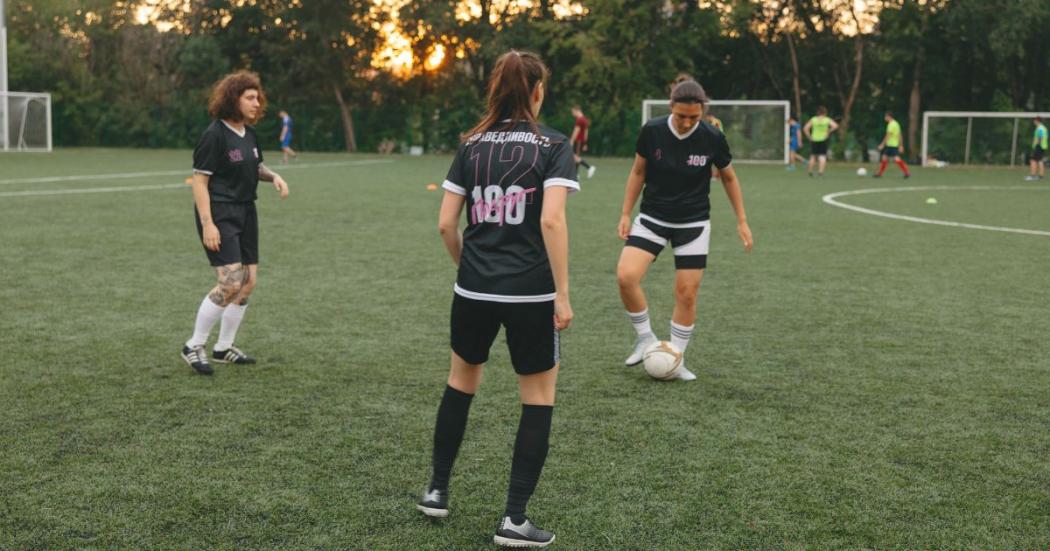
(514, 77)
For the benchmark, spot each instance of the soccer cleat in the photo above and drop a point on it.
(590, 171)
(639, 349)
(1030, 178)
(684, 374)
(434, 504)
(525, 534)
(232, 356)
(197, 358)
(906, 176)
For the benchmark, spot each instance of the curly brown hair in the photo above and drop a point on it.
(226, 95)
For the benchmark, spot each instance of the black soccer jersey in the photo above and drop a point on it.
(678, 169)
(503, 174)
(231, 162)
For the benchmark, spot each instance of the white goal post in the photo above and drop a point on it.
(757, 130)
(950, 136)
(25, 120)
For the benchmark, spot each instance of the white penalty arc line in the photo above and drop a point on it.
(831, 200)
(128, 175)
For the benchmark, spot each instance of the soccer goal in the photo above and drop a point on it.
(977, 137)
(25, 118)
(757, 130)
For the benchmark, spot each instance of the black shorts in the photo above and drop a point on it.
(1037, 154)
(891, 152)
(238, 233)
(818, 148)
(690, 241)
(532, 339)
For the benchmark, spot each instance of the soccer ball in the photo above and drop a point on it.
(862, 171)
(662, 360)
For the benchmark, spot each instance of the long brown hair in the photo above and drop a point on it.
(514, 77)
(226, 96)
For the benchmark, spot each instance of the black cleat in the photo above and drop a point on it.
(232, 356)
(197, 358)
(525, 534)
(434, 503)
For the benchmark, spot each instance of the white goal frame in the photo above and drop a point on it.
(970, 116)
(647, 109)
(18, 142)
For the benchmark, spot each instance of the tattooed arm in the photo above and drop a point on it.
(267, 175)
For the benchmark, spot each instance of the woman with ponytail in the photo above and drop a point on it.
(513, 175)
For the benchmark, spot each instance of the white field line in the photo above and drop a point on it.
(187, 172)
(114, 189)
(831, 200)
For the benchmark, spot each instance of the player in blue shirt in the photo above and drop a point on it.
(795, 136)
(286, 137)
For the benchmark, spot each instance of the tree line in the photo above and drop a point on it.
(118, 82)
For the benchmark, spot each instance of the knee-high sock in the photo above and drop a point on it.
(207, 315)
(448, 434)
(585, 163)
(530, 453)
(680, 335)
(904, 167)
(231, 321)
(640, 322)
(882, 166)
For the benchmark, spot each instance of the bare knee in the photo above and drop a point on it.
(685, 294)
(628, 279)
(231, 281)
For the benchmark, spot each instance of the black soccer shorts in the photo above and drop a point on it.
(238, 226)
(818, 148)
(532, 339)
(1038, 154)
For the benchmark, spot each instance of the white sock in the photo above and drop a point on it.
(207, 315)
(640, 321)
(231, 320)
(680, 335)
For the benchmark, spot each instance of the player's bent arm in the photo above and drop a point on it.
(736, 199)
(575, 132)
(267, 175)
(807, 128)
(448, 224)
(635, 180)
(556, 240)
(834, 126)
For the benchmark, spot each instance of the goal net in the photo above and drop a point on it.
(756, 130)
(977, 137)
(25, 119)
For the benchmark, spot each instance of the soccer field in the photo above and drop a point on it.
(864, 381)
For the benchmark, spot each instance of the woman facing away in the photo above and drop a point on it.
(513, 176)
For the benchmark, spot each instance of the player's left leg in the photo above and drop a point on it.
(224, 351)
(903, 166)
(690, 259)
(883, 161)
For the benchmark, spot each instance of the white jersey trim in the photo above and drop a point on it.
(501, 298)
(674, 225)
(206, 172)
(240, 133)
(454, 188)
(675, 132)
(573, 185)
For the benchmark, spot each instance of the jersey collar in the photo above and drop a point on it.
(670, 125)
(240, 133)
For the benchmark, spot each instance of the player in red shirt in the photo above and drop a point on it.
(579, 140)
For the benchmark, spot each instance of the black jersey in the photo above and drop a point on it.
(503, 174)
(678, 169)
(231, 162)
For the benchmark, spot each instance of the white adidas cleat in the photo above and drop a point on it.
(639, 349)
(684, 374)
(590, 171)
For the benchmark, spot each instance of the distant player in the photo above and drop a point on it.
(892, 147)
(672, 168)
(580, 132)
(794, 142)
(286, 137)
(818, 131)
(514, 177)
(227, 167)
(1037, 160)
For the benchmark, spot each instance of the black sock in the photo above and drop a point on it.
(530, 452)
(585, 163)
(448, 434)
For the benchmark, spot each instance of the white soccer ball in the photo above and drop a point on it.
(662, 360)
(862, 171)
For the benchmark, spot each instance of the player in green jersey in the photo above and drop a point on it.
(818, 130)
(892, 147)
(1037, 160)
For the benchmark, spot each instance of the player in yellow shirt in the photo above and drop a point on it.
(818, 131)
(892, 147)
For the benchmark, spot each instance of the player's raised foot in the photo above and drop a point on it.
(197, 358)
(525, 534)
(434, 503)
(590, 171)
(232, 356)
(640, 344)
